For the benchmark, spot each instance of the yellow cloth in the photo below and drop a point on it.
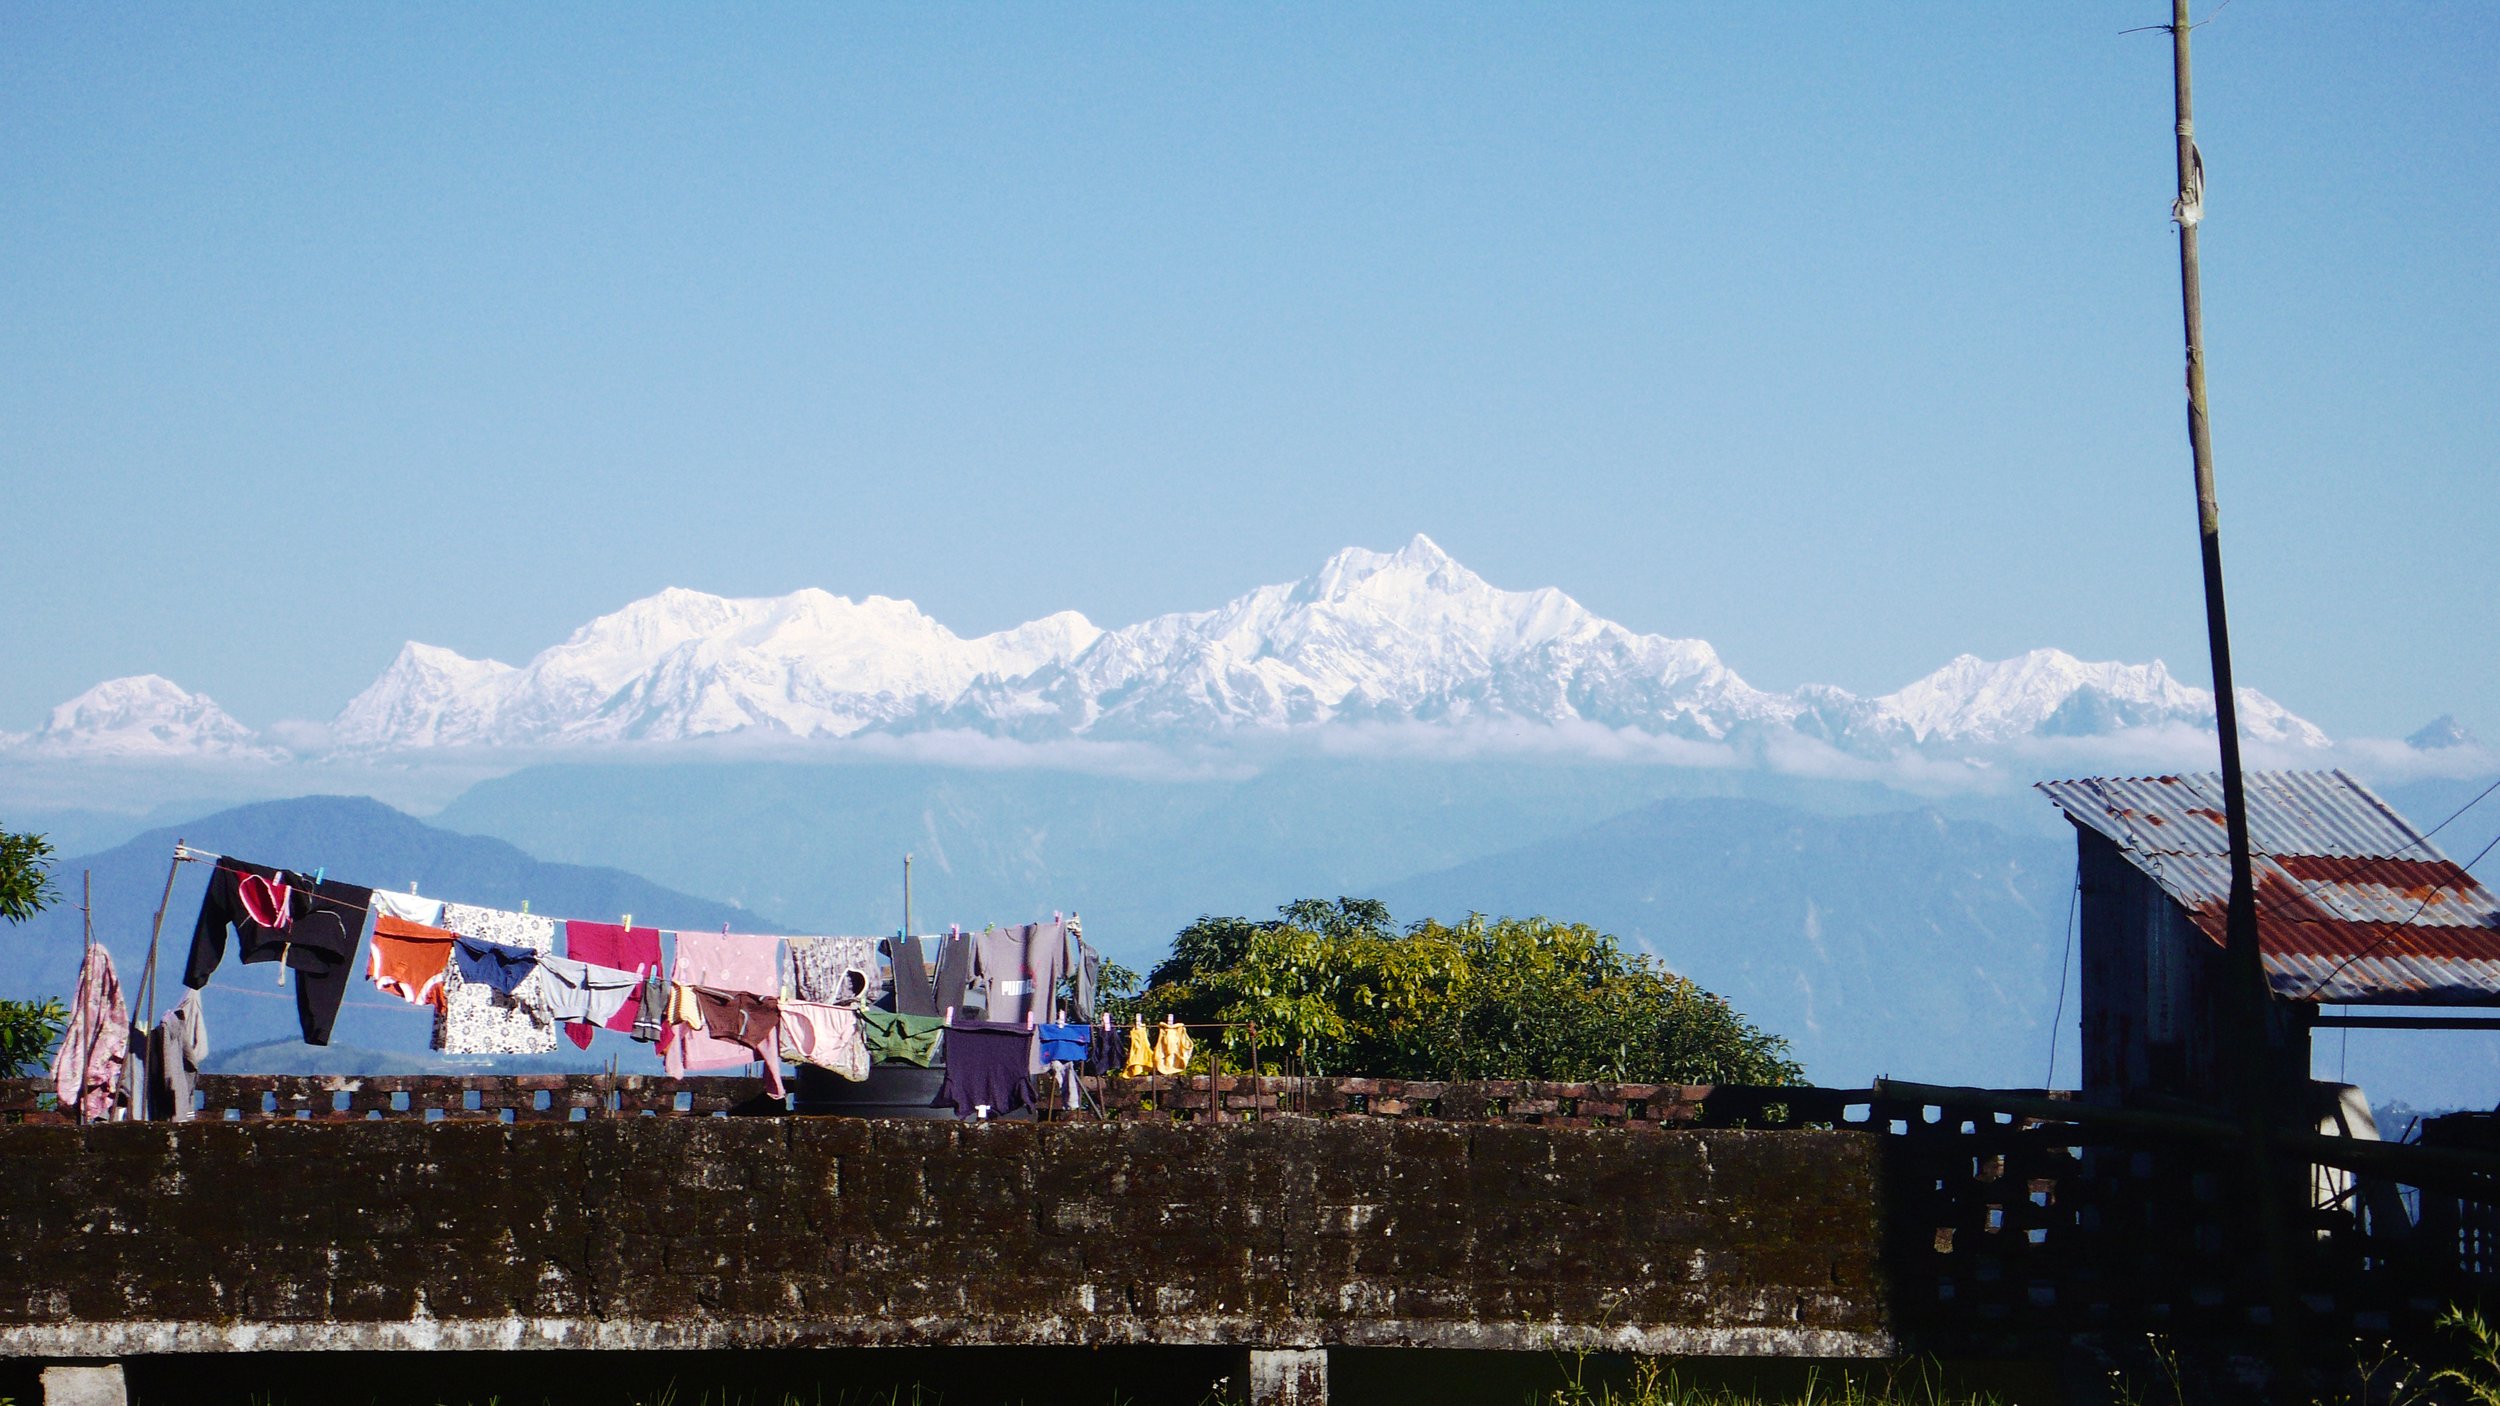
(1172, 1050)
(1141, 1053)
(682, 1008)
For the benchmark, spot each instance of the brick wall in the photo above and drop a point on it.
(470, 1232)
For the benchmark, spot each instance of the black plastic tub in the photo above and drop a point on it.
(889, 1091)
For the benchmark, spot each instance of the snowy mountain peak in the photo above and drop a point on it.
(2441, 732)
(428, 696)
(1405, 636)
(144, 715)
(1420, 565)
(2050, 693)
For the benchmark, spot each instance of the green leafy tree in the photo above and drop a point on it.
(25, 878)
(27, 1028)
(1337, 988)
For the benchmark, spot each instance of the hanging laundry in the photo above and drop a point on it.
(475, 1018)
(746, 1019)
(1063, 1050)
(1141, 1052)
(279, 916)
(651, 1019)
(832, 969)
(131, 1091)
(1107, 1049)
(954, 971)
(914, 991)
(407, 958)
(730, 962)
(1086, 966)
(827, 1036)
(608, 945)
(1046, 967)
(1172, 1048)
(999, 989)
(988, 1064)
(895, 1038)
(1018, 968)
(408, 907)
(1065, 1044)
(87, 1073)
(583, 997)
(175, 1048)
(494, 965)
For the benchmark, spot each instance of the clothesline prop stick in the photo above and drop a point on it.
(147, 975)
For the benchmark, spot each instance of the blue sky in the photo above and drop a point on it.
(1843, 337)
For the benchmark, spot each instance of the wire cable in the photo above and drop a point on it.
(2057, 1019)
(2384, 938)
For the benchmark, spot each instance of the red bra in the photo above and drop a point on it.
(265, 900)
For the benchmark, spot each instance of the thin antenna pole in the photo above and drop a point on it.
(907, 895)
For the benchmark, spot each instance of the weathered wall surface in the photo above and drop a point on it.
(718, 1232)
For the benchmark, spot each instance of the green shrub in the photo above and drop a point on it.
(1338, 989)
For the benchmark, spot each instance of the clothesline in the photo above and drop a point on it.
(496, 984)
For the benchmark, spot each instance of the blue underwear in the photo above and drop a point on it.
(493, 964)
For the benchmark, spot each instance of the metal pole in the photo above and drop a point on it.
(907, 896)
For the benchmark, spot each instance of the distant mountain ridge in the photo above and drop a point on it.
(1410, 636)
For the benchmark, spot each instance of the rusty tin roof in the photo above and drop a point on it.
(2353, 902)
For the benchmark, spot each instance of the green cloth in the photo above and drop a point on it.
(901, 1039)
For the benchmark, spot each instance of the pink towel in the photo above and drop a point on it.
(724, 962)
(607, 945)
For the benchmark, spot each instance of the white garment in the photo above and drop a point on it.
(408, 907)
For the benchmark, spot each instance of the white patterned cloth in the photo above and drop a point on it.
(477, 1019)
(837, 969)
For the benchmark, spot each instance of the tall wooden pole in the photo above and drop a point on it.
(2247, 971)
(2249, 1055)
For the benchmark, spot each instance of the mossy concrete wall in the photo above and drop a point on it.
(724, 1232)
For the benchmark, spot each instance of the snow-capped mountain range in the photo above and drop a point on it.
(1408, 636)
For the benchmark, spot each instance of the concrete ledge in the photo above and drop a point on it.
(78, 1340)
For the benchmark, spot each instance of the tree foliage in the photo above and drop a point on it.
(27, 1028)
(28, 1031)
(25, 879)
(1337, 988)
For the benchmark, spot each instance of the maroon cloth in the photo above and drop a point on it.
(608, 945)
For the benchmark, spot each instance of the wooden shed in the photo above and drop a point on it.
(2355, 907)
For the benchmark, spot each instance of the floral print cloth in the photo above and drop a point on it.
(477, 1019)
(831, 969)
(87, 1075)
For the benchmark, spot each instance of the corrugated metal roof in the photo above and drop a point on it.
(2353, 902)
